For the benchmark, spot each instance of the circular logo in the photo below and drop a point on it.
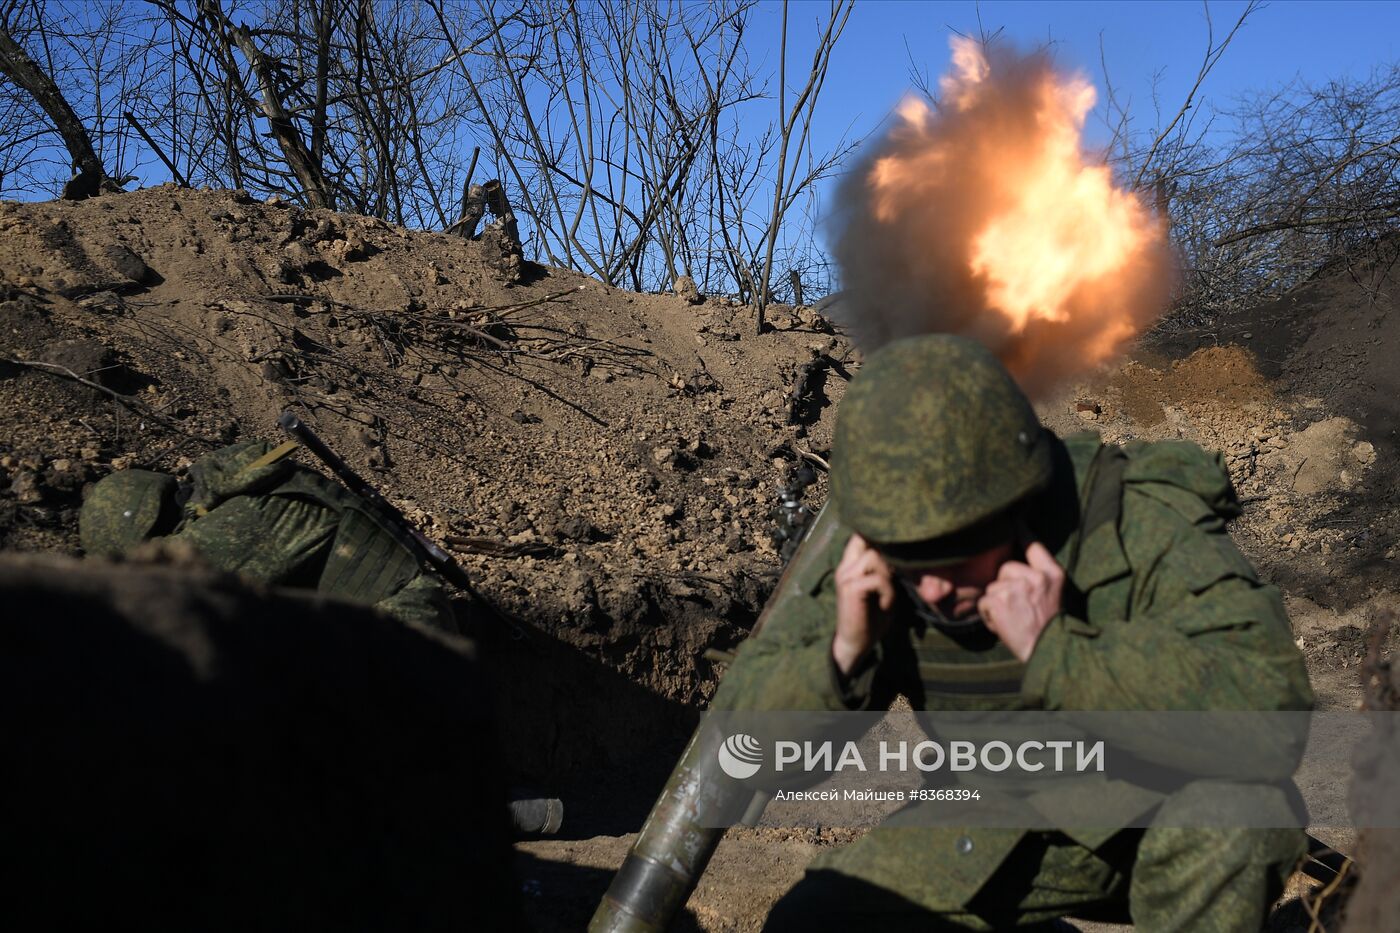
(740, 756)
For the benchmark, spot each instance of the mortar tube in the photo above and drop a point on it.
(665, 863)
(675, 844)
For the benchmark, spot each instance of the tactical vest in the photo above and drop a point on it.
(362, 561)
(976, 671)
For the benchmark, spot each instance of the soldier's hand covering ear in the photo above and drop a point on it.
(864, 597)
(1023, 599)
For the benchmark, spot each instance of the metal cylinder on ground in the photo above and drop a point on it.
(536, 816)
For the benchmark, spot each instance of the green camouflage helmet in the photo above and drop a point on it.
(126, 508)
(934, 444)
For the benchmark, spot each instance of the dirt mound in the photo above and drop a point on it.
(183, 752)
(604, 461)
(1210, 375)
(1300, 397)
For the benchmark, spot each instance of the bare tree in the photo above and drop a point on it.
(1302, 176)
(1149, 161)
(620, 126)
(89, 177)
(793, 130)
(1261, 194)
(298, 155)
(624, 134)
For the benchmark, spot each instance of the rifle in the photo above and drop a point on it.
(394, 523)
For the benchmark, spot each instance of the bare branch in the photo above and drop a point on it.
(1213, 54)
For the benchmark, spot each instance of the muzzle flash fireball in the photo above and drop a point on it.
(983, 215)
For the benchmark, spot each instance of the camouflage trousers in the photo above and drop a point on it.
(1160, 879)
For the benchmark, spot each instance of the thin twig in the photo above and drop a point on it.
(290, 297)
(482, 335)
(511, 309)
(145, 411)
(1314, 905)
(1213, 54)
(808, 455)
(601, 341)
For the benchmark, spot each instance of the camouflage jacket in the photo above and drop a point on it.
(287, 525)
(1161, 612)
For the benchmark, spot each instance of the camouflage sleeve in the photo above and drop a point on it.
(273, 539)
(422, 600)
(788, 665)
(1202, 631)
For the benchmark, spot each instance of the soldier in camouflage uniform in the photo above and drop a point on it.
(1104, 580)
(250, 510)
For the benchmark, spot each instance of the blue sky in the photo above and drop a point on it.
(1314, 41)
(1282, 42)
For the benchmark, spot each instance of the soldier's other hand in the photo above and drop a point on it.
(864, 597)
(1023, 599)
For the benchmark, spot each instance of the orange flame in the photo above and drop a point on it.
(987, 217)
